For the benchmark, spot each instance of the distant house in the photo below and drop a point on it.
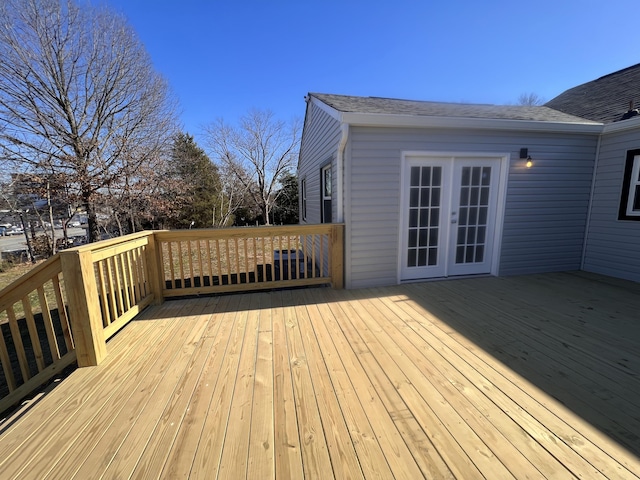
(434, 190)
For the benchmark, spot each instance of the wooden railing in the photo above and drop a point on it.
(35, 335)
(66, 309)
(241, 259)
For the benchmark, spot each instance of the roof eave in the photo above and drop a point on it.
(394, 120)
(629, 124)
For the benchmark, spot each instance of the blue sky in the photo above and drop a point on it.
(223, 58)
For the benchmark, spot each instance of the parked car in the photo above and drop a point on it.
(14, 231)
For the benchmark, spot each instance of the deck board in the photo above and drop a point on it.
(526, 377)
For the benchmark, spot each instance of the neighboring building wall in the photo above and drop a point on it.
(546, 207)
(613, 246)
(319, 146)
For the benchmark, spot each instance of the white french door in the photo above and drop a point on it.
(449, 215)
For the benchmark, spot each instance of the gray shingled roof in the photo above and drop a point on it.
(376, 105)
(603, 100)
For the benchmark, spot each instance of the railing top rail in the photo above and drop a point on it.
(113, 250)
(102, 244)
(244, 232)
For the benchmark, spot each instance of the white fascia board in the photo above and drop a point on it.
(630, 124)
(332, 112)
(389, 120)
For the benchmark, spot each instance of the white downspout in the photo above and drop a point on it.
(344, 127)
(593, 188)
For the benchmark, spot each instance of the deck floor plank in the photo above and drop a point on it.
(558, 429)
(180, 458)
(288, 452)
(315, 451)
(235, 453)
(55, 436)
(341, 450)
(370, 454)
(206, 463)
(121, 446)
(528, 377)
(261, 442)
(379, 324)
(113, 421)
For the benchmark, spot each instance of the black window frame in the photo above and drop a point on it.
(633, 156)
(326, 201)
(303, 199)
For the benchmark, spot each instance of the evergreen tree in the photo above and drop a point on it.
(285, 210)
(198, 194)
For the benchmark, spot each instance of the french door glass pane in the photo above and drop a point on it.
(424, 216)
(473, 214)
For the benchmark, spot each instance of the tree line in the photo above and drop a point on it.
(87, 125)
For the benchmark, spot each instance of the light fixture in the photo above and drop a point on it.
(524, 155)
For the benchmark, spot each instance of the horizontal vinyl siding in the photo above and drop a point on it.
(319, 146)
(546, 205)
(613, 246)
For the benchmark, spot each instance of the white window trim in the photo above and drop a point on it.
(633, 183)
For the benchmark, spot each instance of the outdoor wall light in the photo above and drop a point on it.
(524, 155)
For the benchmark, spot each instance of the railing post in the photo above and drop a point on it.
(154, 259)
(337, 256)
(84, 307)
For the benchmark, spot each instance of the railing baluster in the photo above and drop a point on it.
(138, 259)
(62, 314)
(314, 272)
(128, 257)
(117, 285)
(33, 333)
(237, 258)
(17, 342)
(181, 263)
(200, 264)
(218, 262)
(48, 325)
(173, 274)
(209, 261)
(126, 288)
(190, 260)
(106, 317)
(6, 364)
(322, 256)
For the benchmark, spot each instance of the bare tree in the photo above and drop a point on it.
(77, 89)
(256, 154)
(530, 99)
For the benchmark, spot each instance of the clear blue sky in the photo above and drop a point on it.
(224, 57)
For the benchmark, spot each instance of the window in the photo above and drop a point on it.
(630, 199)
(303, 198)
(325, 192)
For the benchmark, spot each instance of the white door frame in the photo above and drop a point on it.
(500, 207)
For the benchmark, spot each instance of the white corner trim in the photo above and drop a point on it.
(342, 145)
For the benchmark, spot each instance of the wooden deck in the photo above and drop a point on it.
(527, 377)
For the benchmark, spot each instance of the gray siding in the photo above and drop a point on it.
(613, 246)
(319, 146)
(546, 206)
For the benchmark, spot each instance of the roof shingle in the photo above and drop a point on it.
(604, 100)
(391, 106)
